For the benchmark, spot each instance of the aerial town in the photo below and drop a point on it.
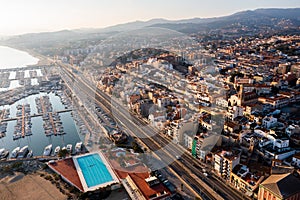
(240, 121)
(154, 114)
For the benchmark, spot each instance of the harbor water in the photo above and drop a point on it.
(38, 140)
(13, 58)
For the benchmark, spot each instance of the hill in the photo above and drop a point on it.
(250, 22)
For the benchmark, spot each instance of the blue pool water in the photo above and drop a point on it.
(94, 170)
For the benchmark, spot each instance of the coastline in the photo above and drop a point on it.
(41, 59)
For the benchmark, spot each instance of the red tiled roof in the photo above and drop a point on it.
(67, 169)
(138, 173)
(123, 173)
(139, 179)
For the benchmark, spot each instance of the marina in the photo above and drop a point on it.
(52, 123)
(38, 117)
(36, 112)
(20, 78)
(23, 125)
(3, 127)
(37, 140)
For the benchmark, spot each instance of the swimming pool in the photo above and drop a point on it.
(94, 171)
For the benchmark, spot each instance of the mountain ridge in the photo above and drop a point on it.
(249, 22)
(294, 13)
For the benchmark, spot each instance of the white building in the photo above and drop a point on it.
(208, 144)
(164, 101)
(279, 154)
(296, 160)
(188, 138)
(234, 111)
(222, 102)
(225, 161)
(178, 130)
(269, 122)
(292, 129)
(281, 143)
(157, 119)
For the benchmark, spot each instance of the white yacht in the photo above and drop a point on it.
(3, 153)
(69, 148)
(15, 152)
(47, 150)
(23, 152)
(30, 154)
(56, 150)
(78, 147)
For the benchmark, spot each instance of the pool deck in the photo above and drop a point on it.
(82, 179)
(68, 172)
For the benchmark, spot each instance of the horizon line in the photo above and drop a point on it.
(143, 20)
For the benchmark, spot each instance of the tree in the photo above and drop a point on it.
(137, 148)
(63, 153)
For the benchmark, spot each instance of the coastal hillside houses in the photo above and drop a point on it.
(238, 128)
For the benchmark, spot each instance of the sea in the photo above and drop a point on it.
(12, 58)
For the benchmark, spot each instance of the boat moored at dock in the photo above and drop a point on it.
(69, 148)
(23, 152)
(56, 150)
(30, 154)
(78, 147)
(3, 153)
(48, 150)
(15, 152)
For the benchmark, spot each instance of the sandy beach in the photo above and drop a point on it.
(19, 186)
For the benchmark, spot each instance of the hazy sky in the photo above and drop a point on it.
(23, 16)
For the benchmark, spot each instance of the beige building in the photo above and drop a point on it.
(280, 187)
(244, 180)
(225, 161)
